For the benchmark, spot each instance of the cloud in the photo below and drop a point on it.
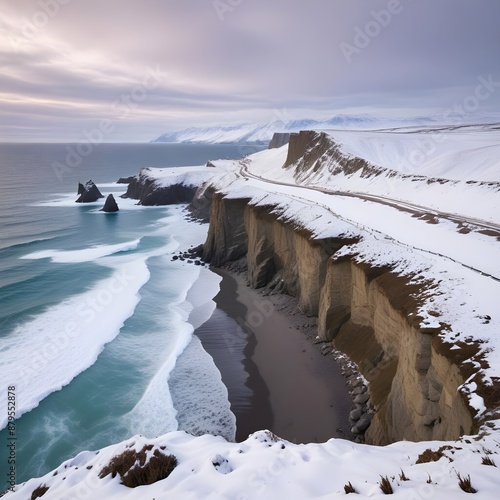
(71, 61)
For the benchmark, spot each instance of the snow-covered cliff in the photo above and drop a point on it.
(402, 268)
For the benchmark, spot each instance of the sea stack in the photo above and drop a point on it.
(110, 204)
(88, 192)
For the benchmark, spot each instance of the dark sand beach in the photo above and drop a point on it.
(276, 376)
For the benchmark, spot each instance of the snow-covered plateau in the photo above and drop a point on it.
(397, 233)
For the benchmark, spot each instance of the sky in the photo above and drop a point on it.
(129, 70)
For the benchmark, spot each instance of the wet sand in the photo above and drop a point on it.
(276, 376)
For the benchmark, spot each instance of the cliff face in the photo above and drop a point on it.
(201, 203)
(279, 139)
(363, 310)
(149, 193)
(310, 151)
(414, 388)
(226, 239)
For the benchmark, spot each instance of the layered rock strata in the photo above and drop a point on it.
(279, 139)
(417, 383)
(364, 311)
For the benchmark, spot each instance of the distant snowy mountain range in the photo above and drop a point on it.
(262, 133)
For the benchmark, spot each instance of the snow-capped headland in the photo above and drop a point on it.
(391, 239)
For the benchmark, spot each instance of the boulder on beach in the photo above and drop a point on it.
(110, 204)
(88, 192)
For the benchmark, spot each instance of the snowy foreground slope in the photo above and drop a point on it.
(264, 466)
(437, 219)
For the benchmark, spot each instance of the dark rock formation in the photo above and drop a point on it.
(227, 237)
(201, 203)
(191, 256)
(145, 189)
(125, 180)
(301, 143)
(279, 139)
(88, 192)
(310, 151)
(110, 204)
(169, 195)
(138, 186)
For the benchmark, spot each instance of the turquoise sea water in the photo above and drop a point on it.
(93, 311)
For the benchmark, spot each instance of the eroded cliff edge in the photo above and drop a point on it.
(369, 313)
(374, 301)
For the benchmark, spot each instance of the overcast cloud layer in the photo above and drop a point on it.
(137, 68)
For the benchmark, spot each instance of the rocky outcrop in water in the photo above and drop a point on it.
(149, 192)
(110, 204)
(88, 192)
(192, 256)
(125, 180)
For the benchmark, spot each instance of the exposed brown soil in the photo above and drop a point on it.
(465, 358)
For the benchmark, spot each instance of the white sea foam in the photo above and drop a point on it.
(111, 185)
(66, 339)
(83, 255)
(187, 375)
(185, 233)
(199, 302)
(154, 413)
(45, 353)
(199, 396)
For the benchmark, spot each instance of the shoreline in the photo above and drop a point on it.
(289, 386)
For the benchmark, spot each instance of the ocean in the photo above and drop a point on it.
(95, 316)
